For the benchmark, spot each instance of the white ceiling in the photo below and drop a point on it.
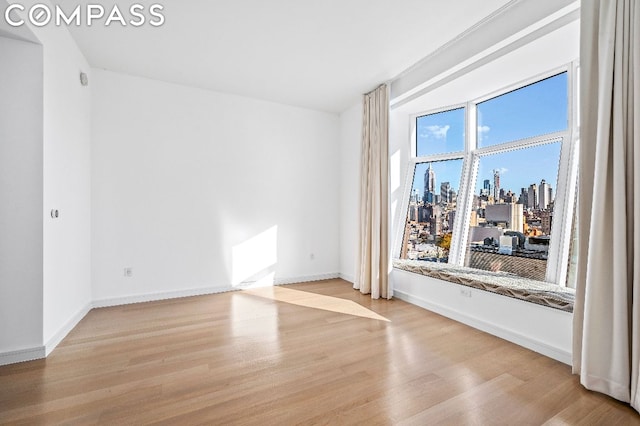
(317, 54)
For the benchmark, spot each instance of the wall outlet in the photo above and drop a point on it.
(128, 271)
(312, 256)
(465, 292)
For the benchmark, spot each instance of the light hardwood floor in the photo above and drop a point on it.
(316, 353)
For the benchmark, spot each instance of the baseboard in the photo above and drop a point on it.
(348, 277)
(64, 330)
(306, 278)
(22, 355)
(127, 300)
(506, 334)
(151, 297)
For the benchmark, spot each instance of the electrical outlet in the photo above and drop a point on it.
(465, 292)
(128, 271)
(312, 256)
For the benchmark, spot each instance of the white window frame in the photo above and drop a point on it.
(557, 262)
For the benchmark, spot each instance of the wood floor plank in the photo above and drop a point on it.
(313, 353)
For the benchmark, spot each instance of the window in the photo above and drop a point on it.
(431, 213)
(512, 211)
(493, 182)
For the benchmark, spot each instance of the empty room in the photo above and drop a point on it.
(339, 212)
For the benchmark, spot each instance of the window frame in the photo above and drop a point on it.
(565, 191)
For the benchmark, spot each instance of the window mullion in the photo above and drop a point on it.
(565, 197)
(399, 240)
(463, 209)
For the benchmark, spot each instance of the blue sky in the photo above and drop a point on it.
(534, 110)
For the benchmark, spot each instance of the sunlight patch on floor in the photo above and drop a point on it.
(313, 300)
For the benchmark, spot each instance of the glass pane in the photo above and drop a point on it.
(533, 110)
(440, 133)
(432, 211)
(512, 211)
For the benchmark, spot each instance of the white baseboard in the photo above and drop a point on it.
(348, 277)
(306, 278)
(40, 352)
(64, 330)
(150, 297)
(504, 333)
(22, 355)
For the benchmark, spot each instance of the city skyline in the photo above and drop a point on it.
(518, 169)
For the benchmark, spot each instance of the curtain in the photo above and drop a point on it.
(607, 310)
(372, 261)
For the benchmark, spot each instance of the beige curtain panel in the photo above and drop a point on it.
(607, 311)
(372, 260)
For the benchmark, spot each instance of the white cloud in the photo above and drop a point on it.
(482, 132)
(503, 170)
(437, 132)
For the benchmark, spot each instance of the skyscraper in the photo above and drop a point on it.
(524, 197)
(496, 185)
(486, 188)
(544, 195)
(430, 185)
(533, 196)
(445, 192)
(436, 221)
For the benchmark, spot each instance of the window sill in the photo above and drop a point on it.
(503, 283)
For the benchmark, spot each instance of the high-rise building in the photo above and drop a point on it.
(532, 198)
(436, 221)
(451, 217)
(544, 195)
(445, 192)
(509, 197)
(413, 212)
(424, 214)
(486, 188)
(430, 185)
(496, 185)
(524, 197)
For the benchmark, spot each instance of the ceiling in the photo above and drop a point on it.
(315, 54)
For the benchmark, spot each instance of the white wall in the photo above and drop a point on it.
(350, 135)
(197, 190)
(62, 173)
(21, 192)
(67, 185)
